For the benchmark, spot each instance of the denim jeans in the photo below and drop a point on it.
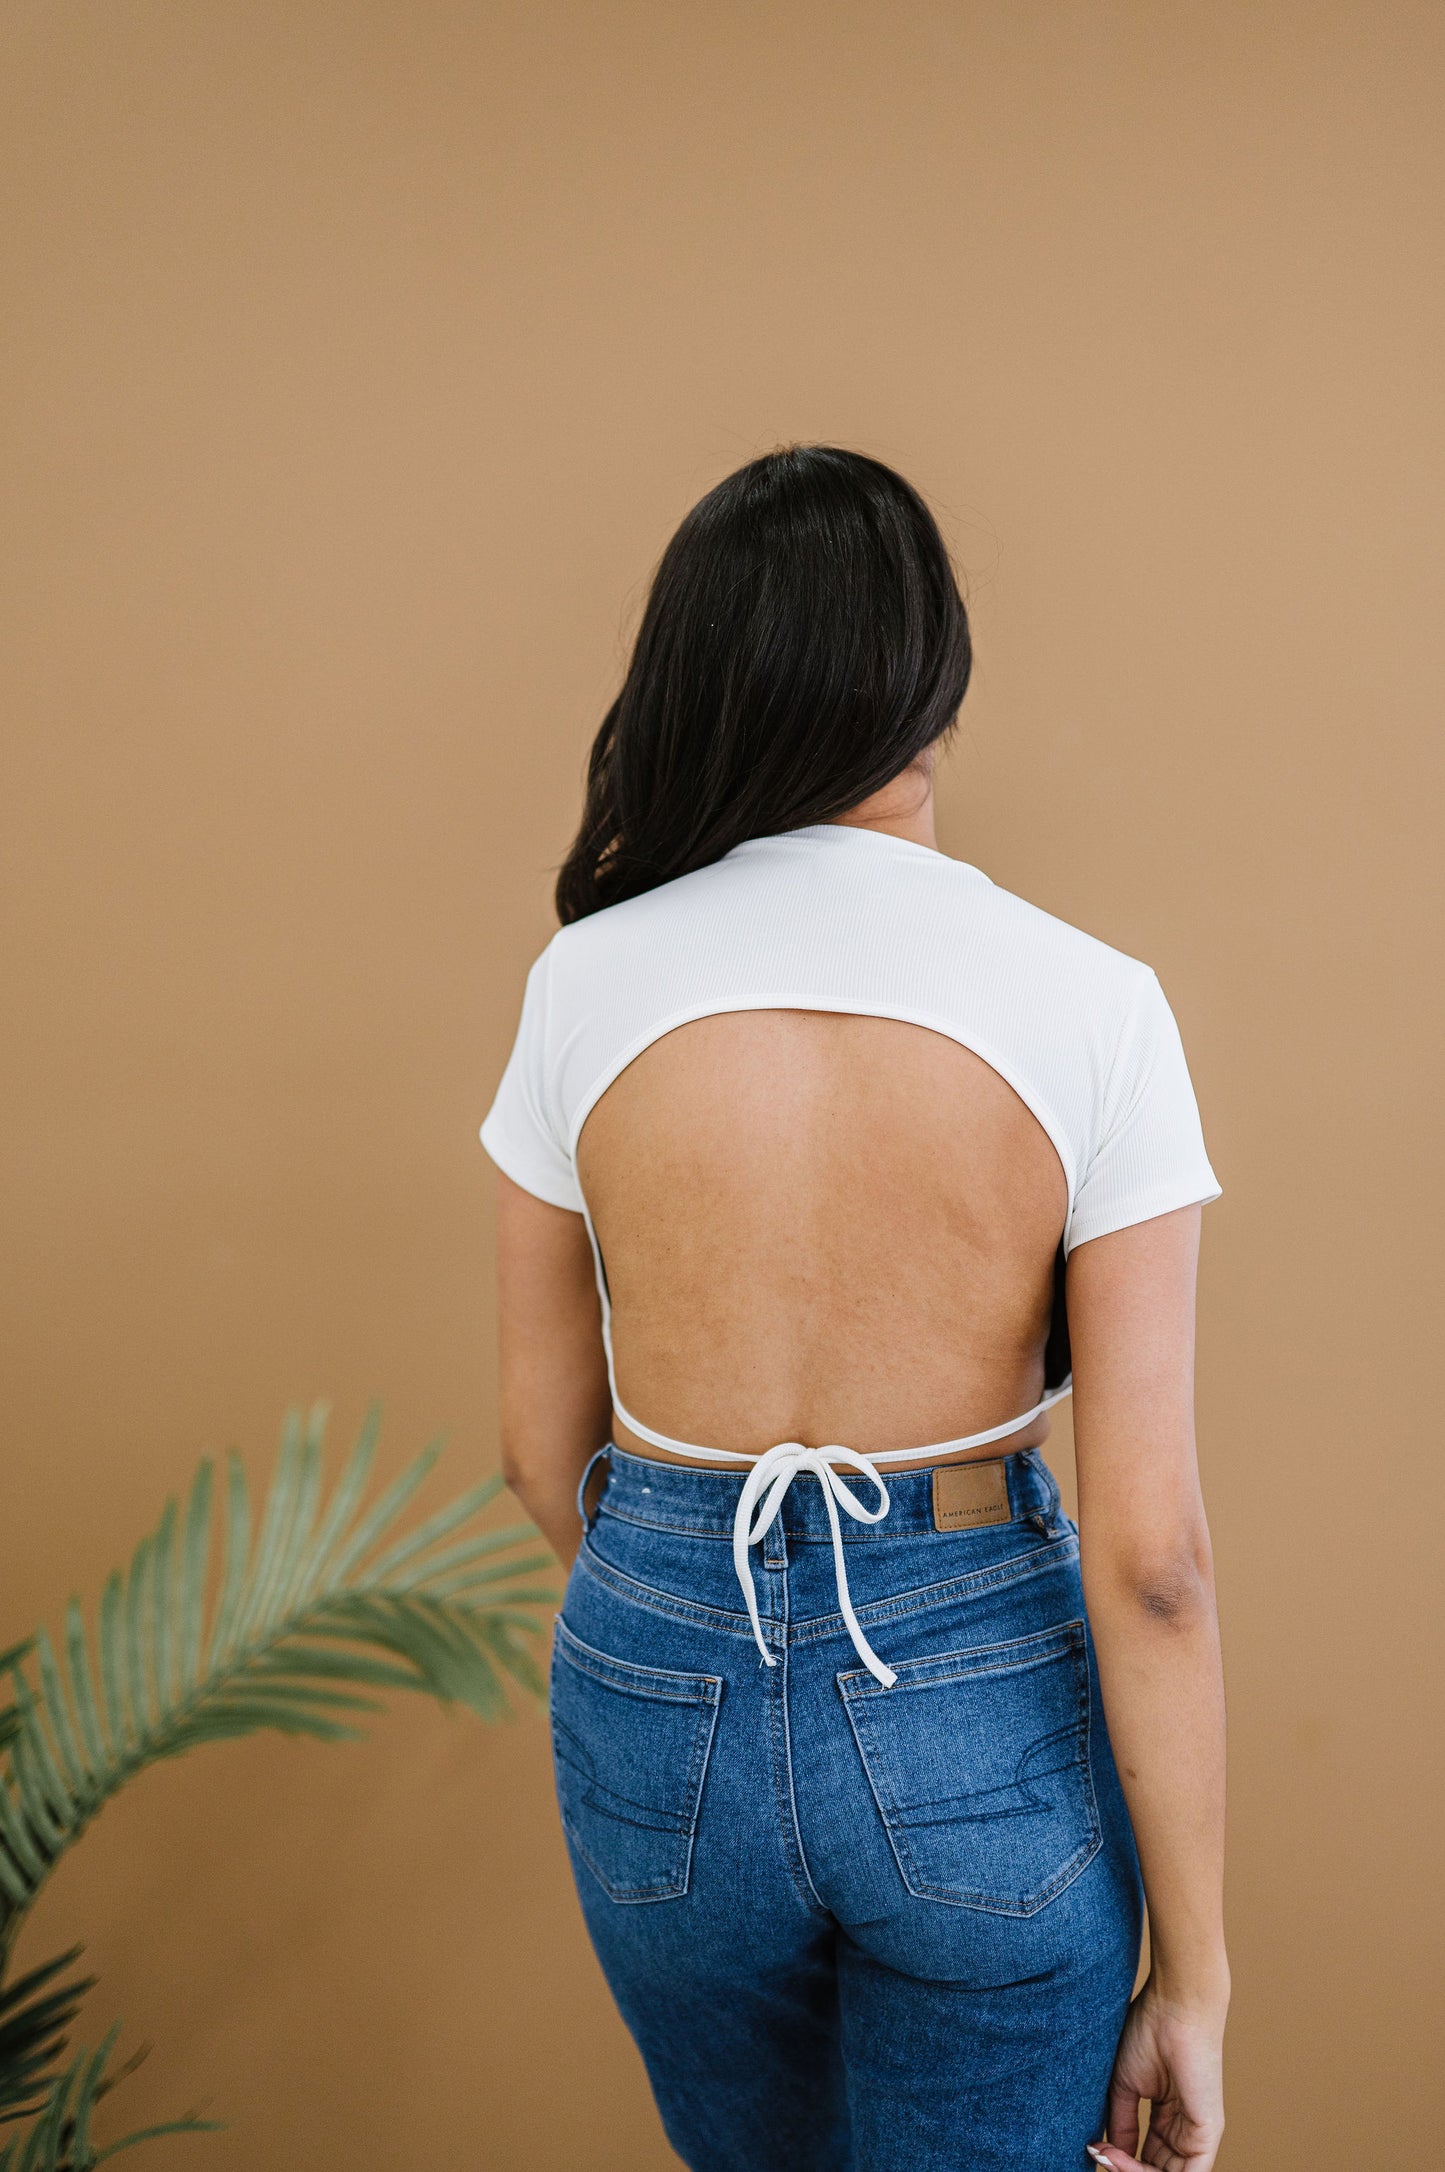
(851, 1928)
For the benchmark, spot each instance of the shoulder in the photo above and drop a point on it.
(1041, 946)
(637, 927)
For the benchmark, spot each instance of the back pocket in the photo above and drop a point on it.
(979, 1763)
(630, 1745)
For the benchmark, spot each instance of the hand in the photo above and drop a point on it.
(1171, 2055)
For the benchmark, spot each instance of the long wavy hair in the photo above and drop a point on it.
(803, 642)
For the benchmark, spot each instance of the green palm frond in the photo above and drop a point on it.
(60, 2139)
(35, 2012)
(293, 1630)
(9, 1713)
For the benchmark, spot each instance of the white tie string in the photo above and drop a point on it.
(778, 1468)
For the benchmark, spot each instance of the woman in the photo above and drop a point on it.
(808, 1132)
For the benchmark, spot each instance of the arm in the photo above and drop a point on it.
(556, 1408)
(1149, 1585)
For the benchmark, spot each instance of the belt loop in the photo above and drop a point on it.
(1048, 1518)
(589, 1517)
(1056, 1498)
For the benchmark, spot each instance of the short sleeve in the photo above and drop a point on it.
(520, 1131)
(1150, 1155)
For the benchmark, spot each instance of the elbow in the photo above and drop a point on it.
(1174, 1595)
(516, 1466)
(1167, 1589)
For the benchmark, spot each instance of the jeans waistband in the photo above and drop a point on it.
(703, 1502)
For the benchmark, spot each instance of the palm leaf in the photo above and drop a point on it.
(345, 1500)
(290, 1572)
(162, 1567)
(275, 1523)
(194, 1551)
(150, 2134)
(111, 1641)
(238, 1540)
(42, 1791)
(358, 1543)
(35, 2012)
(9, 1714)
(60, 2139)
(82, 1686)
(18, 1852)
(436, 1528)
(326, 1606)
(136, 1587)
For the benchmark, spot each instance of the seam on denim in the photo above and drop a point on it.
(662, 1602)
(635, 1896)
(921, 1526)
(656, 1523)
(1091, 1793)
(1051, 1554)
(696, 1782)
(851, 1687)
(792, 1837)
(1040, 1648)
(888, 1531)
(1074, 1868)
(597, 1794)
(690, 1688)
(1054, 1554)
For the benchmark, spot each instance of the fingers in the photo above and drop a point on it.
(1115, 2159)
(1123, 2119)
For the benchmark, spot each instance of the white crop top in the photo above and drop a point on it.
(833, 917)
(838, 918)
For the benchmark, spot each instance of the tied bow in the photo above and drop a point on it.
(770, 1478)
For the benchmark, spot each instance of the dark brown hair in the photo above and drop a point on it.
(803, 642)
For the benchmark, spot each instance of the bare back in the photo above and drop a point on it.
(822, 1227)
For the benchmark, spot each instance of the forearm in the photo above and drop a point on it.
(1149, 1581)
(547, 1489)
(555, 1403)
(554, 1419)
(1157, 1641)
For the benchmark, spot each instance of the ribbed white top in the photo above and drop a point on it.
(838, 918)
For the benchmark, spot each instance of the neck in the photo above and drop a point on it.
(904, 808)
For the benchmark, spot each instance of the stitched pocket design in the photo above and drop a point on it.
(979, 1764)
(630, 1748)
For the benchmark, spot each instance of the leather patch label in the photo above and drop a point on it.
(966, 1495)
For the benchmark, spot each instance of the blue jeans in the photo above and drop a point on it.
(852, 1929)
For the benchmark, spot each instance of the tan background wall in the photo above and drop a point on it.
(359, 359)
